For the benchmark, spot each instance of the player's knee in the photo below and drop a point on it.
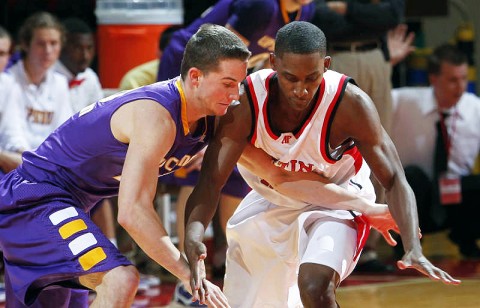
(124, 279)
(316, 290)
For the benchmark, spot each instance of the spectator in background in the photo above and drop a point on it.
(9, 92)
(146, 73)
(434, 158)
(356, 32)
(255, 22)
(45, 102)
(75, 60)
(5, 46)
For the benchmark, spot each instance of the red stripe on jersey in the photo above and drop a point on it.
(357, 157)
(317, 104)
(326, 122)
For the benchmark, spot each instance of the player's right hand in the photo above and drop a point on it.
(196, 253)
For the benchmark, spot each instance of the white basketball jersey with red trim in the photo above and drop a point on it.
(306, 149)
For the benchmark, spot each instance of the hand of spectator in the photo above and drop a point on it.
(399, 43)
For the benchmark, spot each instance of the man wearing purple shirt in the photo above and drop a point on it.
(256, 22)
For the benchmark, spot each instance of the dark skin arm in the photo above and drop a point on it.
(219, 160)
(356, 118)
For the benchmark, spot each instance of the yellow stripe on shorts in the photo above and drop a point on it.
(92, 258)
(72, 227)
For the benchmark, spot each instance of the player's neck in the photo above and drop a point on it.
(35, 74)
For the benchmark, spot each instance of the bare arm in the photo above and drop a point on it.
(220, 158)
(139, 179)
(357, 118)
(306, 186)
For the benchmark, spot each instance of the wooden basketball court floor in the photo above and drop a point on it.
(402, 289)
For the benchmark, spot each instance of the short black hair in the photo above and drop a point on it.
(210, 45)
(76, 25)
(300, 37)
(446, 53)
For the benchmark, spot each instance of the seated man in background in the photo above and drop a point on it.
(10, 92)
(436, 132)
(75, 60)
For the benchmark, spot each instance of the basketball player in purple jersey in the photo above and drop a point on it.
(255, 21)
(117, 146)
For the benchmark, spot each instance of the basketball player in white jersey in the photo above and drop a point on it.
(307, 118)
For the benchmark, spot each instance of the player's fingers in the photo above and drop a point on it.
(201, 295)
(221, 298)
(448, 279)
(389, 239)
(195, 296)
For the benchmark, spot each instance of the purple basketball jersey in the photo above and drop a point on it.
(83, 157)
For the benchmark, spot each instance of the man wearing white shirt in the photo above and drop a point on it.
(75, 59)
(9, 92)
(445, 198)
(44, 101)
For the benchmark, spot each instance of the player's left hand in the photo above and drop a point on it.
(423, 265)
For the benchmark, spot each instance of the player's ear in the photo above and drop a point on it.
(194, 74)
(272, 60)
(327, 62)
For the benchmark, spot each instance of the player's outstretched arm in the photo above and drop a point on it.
(357, 118)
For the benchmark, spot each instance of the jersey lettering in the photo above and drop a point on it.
(286, 139)
(295, 165)
(172, 162)
(39, 117)
(169, 164)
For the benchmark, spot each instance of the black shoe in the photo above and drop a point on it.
(374, 266)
